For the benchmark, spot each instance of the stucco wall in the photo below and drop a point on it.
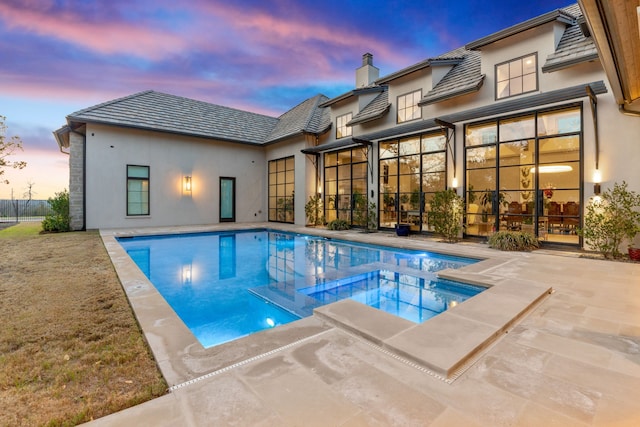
(170, 158)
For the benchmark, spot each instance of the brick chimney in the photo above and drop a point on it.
(366, 74)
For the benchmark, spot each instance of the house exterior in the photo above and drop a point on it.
(522, 123)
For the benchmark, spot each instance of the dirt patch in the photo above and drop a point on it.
(70, 348)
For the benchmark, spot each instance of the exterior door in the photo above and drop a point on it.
(227, 199)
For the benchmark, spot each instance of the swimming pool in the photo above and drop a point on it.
(226, 285)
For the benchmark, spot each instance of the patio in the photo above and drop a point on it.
(572, 358)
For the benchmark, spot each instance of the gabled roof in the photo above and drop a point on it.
(359, 91)
(465, 77)
(560, 15)
(449, 58)
(305, 117)
(162, 112)
(574, 46)
(373, 110)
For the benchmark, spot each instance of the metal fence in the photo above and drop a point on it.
(23, 210)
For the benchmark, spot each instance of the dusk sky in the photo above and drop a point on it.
(59, 56)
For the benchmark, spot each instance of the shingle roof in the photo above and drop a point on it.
(373, 110)
(463, 78)
(169, 113)
(305, 117)
(574, 47)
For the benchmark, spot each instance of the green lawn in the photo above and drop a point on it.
(23, 229)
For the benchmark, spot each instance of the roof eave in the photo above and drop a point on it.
(79, 121)
(301, 132)
(62, 138)
(605, 30)
(337, 99)
(405, 71)
(469, 89)
(369, 118)
(566, 64)
(555, 15)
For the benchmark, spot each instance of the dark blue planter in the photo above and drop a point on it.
(403, 229)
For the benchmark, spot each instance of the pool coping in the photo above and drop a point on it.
(453, 339)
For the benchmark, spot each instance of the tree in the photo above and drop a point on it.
(8, 146)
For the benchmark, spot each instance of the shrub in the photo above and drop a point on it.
(338, 224)
(58, 221)
(367, 217)
(446, 214)
(513, 241)
(313, 209)
(611, 219)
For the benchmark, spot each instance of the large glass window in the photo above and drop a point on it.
(517, 76)
(137, 190)
(523, 173)
(281, 190)
(411, 170)
(345, 185)
(342, 130)
(408, 108)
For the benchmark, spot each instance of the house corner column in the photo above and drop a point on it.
(76, 181)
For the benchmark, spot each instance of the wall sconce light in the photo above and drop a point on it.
(596, 189)
(454, 183)
(186, 185)
(597, 178)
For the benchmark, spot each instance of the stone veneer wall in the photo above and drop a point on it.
(76, 181)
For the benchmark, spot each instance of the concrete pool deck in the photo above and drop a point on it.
(518, 355)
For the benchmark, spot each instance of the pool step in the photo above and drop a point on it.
(450, 341)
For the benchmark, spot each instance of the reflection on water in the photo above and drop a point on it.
(227, 285)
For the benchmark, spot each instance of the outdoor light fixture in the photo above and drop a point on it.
(186, 185)
(597, 178)
(454, 183)
(552, 169)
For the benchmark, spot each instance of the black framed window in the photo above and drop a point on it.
(408, 108)
(517, 76)
(345, 185)
(412, 169)
(281, 190)
(137, 190)
(342, 130)
(524, 173)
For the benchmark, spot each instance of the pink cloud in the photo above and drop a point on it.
(102, 37)
(298, 39)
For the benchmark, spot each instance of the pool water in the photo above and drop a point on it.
(227, 285)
